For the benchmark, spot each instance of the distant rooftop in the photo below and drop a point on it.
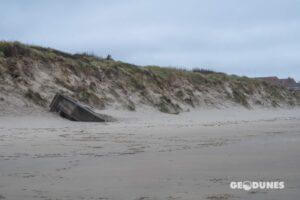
(290, 83)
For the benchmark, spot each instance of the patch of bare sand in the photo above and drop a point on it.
(150, 155)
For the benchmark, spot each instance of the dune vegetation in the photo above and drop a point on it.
(31, 75)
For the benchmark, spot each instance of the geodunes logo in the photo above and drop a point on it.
(253, 185)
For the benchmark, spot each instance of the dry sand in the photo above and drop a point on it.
(149, 155)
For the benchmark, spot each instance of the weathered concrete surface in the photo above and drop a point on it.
(72, 110)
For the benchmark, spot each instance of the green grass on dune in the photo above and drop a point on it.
(138, 78)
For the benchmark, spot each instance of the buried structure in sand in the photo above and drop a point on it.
(72, 110)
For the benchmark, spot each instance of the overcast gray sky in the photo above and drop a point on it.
(253, 37)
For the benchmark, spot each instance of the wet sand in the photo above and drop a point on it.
(149, 155)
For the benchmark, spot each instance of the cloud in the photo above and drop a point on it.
(254, 38)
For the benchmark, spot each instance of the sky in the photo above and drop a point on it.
(252, 38)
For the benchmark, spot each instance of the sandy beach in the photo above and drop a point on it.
(149, 155)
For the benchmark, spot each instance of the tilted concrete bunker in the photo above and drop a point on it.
(73, 110)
